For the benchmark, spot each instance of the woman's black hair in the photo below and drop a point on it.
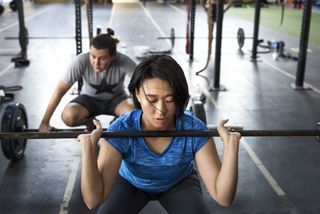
(165, 68)
(105, 41)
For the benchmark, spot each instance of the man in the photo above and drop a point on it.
(103, 71)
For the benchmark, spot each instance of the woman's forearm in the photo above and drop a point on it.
(91, 180)
(226, 183)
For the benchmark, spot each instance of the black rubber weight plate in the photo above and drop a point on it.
(14, 119)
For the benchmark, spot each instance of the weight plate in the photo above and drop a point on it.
(240, 37)
(172, 37)
(1, 9)
(197, 110)
(13, 5)
(24, 38)
(14, 119)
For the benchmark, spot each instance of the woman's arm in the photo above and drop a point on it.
(219, 177)
(98, 173)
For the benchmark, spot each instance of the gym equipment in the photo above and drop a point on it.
(10, 88)
(1, 9)
(240, 37)
(14, 132)
(22, 58)
(5, 96)
(14, 119)
(14, 127)
(212, 132)
(197, 109)
(13, 5)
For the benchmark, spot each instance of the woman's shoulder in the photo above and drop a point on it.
(190, 122)
(127, 122)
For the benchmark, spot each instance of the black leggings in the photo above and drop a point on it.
(185, 198)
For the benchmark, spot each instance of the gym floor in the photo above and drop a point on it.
(276, 174)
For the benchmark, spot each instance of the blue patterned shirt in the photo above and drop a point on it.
(153, 172)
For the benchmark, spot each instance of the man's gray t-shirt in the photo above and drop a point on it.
(104, 85)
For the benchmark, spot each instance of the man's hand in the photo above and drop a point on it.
(45, 127)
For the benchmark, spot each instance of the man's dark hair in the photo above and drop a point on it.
(105, 41)
(165, 68)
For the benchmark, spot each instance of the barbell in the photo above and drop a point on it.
(212, 132)
(42, 37)
(240, 37)
(14, 132)
(26, 39)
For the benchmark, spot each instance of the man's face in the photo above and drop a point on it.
(99, 59)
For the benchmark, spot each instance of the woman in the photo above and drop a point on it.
(132, 171)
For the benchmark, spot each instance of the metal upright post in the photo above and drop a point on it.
(217, 60)
(304, 37)
(78, 27)
(78, 35)
(256, 30)
(21, 59)
(90, 19)
(192, 28)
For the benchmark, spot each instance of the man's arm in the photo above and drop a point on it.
(57, 95)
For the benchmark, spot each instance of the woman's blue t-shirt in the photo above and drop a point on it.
(153, 172)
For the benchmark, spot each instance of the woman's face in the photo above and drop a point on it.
(156, 99)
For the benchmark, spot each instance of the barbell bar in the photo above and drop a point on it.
(10, 88)
(82, 130)
(42, 37)
(48, 37)
(186, 133)
(240, 37)
(14, 119)
(74, 133)
(14, 132)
